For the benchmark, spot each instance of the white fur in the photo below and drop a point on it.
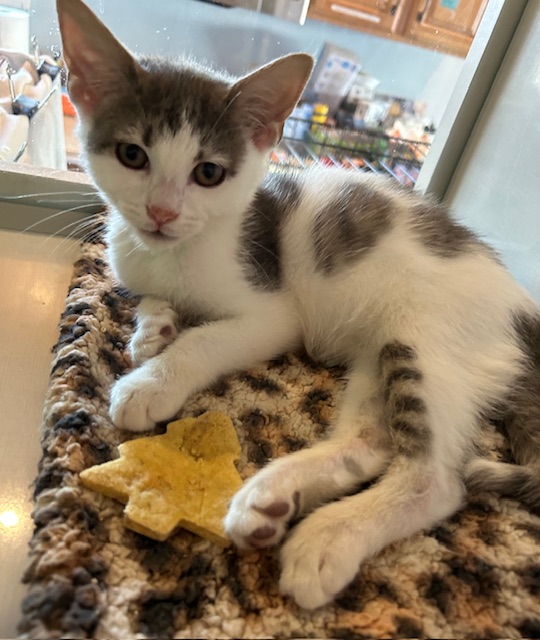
(156, 329)
(456, 312)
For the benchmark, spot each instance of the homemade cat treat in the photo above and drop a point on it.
(184, 478)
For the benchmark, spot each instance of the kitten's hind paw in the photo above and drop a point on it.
(320, 558)
(261, 511)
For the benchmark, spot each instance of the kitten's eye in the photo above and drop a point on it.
(208, 174)
(131, 156)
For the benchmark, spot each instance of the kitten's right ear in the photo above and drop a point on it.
(97, 62)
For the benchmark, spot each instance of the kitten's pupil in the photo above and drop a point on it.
(208, 170)
(208, 174)
(131, 155)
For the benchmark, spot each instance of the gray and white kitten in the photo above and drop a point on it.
(434, 330)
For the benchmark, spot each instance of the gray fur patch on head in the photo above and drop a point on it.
(349, 226)
(260, 241)
(164, 97)
(405, 411)
(440, 234)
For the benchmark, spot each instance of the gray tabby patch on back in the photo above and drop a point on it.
(348, 227)
(440, 234)
(260, 243)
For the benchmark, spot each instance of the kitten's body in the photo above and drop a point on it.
(434, 330)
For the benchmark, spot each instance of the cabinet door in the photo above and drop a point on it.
(449, 25)
(373, 16)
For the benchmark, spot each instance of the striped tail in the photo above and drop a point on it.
(521, 422)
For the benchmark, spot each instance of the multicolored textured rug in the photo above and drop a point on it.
(474, 576)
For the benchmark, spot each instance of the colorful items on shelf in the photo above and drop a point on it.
(398, 151)
(320, 113)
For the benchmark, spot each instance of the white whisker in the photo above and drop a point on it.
(51, 193)
(87, 227)
(75, 200)
(258, 244)
(81, 224)
(84, 224)
(138, 245)
(54, 215)
(93, 236)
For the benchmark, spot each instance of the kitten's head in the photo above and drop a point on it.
(173, 147)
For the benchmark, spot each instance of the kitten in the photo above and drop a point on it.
(434, 330)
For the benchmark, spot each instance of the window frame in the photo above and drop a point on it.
(31, 196)
(485, 57)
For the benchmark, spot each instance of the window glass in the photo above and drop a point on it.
(384, 74)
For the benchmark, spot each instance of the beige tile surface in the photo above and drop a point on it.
(34, 275)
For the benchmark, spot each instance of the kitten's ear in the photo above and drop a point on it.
(97, 62)
(267, 96)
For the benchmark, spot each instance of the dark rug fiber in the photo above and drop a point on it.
(476, 575)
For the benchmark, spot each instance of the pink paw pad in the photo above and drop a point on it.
(259, 537)
(166, 331)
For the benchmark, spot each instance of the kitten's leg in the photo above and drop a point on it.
(296, 484)
(156, 329)
(428, 422)
(326, 549)
(198, 357)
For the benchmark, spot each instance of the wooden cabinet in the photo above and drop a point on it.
(374, 16)
(448, 26)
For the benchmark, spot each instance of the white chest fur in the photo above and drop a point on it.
(204, 276)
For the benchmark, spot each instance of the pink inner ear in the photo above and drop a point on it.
(78, 85)
(81, 94)
(273, 116)
(267, 136)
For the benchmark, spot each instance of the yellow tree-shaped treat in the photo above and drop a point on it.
(184, 478)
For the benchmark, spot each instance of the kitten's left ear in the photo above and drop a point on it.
(267, 96)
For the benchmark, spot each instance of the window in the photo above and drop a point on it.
(376, 100)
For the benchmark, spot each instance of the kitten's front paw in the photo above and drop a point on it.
(143, 398)
(321, 557)
(154, 333)
(261, 511)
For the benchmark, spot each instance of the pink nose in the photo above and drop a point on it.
(161, 215)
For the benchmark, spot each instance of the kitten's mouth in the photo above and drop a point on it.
(158, 236)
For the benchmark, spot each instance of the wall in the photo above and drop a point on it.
(239, 40)
(496, 188)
